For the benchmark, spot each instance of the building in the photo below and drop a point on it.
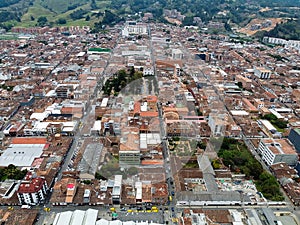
(32, 190)
(277, 150)
(117, 188)
(22, 152)
(294, 137)
(78, 217)
(262, 73)
(90, 161)
(134, 28)
(64, 91)
(217, 123)
(177, 54)
(129, 152)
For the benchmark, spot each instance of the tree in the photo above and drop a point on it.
(132, 171)
(78, 14)
(61, 21)
(227, 27)
(42, 21)
(93, 4)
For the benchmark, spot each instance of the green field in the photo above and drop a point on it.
(59, 6)
(8, 37)
(53, 12)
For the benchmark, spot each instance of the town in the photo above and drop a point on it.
(150, 123)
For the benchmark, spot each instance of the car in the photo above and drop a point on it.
(172, 209)
(172, 193)
(123, 209)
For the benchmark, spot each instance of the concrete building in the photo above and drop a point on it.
(294, 137)
(90, 161)
(32, 190)
(277, 150)
(262, 73)
(134, 28)
(217, 124)
(22, 153)
(129, 152)
(177, 54)
(117, 188)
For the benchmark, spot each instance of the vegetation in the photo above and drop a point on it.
(236, 156)
(59, 6)
(279, 123)
(109, 18)
(109, 169)
(120, 80)
(268, 185)
(101, 13)
(42, 21)
(191, 164)
(78, 14)
(132, 171)
(289, 31)
(197, 144)
(12, 172)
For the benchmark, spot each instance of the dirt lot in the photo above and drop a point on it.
(247, 30)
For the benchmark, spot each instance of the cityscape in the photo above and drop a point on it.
(149, 123)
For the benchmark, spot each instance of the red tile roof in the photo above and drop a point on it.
(31, 186)
(29, 140)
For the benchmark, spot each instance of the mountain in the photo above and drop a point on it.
(92, 12)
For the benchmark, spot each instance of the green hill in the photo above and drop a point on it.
(91, 12)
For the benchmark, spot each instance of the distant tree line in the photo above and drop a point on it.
(4, 3)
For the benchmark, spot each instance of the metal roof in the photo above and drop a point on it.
(21, 154)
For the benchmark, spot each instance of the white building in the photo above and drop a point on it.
(148, 71)
(32, 190)
(117, 189)
(21, 155)
(134, 28)
(277, 150)
(262, 73)
(177, 54)
(78, 217)
(217, 123)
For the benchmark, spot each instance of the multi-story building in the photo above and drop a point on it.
(277, 150)
(129, 152)
(32, 189)
(117, 188)
(262, 73)
(134, 28)
(294, 137)
(64, 91)
(217, 123)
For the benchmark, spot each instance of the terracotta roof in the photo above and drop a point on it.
(29, 140)
(149, 114)
(31, 186)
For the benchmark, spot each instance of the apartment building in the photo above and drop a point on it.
(277, 150)
(32, 189)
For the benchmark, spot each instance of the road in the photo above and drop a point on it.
(78, 139)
